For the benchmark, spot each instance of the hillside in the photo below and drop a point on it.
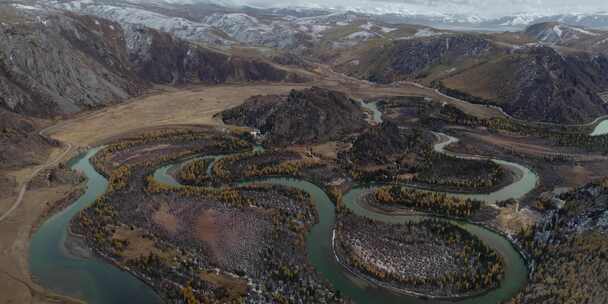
(307, 116)
(557, 33)
(386, 142)
(529, 81)
(417, 57)
(54, 63)
(537, 84)
(161, 58)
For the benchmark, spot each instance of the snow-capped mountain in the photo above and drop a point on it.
(248, 29)
(557, 33)
(194, 23)
(225, 23)
(180, 27)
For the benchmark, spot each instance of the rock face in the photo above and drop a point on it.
(308, 116)
(550, 87)
(407, 59)
(557, 33)
(54, 63)
(573, 231)
(161, 58)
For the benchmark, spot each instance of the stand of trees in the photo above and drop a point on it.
(426, 201)
(195, 172)
(383, 251)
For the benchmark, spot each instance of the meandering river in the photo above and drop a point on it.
(96, 281)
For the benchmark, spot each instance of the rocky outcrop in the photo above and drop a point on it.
(54, 63)
(308, 116)
(411, 58)
(161, 58)
(538, 84)
(551, 87)
(379, 144)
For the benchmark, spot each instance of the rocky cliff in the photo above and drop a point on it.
(53, 63)
(568, 248)
(379, 144)
(20, 143)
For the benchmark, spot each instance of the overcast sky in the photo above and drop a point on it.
(477, 7)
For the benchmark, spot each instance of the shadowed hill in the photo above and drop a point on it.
(307, 116)
(530, 82)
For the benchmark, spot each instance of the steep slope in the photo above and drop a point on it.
(195, 22)
(53, 63)
(568, 248)
(414, 58)
(537, 84)
(308, 116)
(20, 143)
(162, 58)
(251, 30)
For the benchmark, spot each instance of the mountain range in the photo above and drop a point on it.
(61, 57)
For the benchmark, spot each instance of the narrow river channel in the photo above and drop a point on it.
(96, 281)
